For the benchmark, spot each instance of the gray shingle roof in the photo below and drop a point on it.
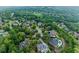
(43, 48)
(55, 42)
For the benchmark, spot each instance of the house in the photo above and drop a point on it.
(76, 34)
(39, 24)
(24, 43)
(1, 22)
(12, 14)
(52, 33)
(55, 42)
(63, 26)
(3, 33)
(15, 23)
(28, 22)
(71, 32)
(33, 21)
(42, 48)
(66, 29)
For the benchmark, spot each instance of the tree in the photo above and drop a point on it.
(2, 48)
(20, 36)
(33, 26)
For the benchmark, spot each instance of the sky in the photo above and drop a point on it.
(39, 2)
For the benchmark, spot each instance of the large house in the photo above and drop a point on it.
(55, 42)
(1, 22)
(42, 48)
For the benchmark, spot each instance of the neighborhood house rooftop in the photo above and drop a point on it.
(24, 43)
(56, 42)
(42, 48)
(52, 33)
